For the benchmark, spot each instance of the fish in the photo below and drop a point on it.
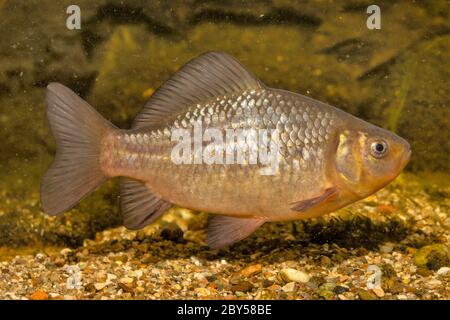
(214, 138)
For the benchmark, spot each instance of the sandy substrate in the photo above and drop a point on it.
(394, 245)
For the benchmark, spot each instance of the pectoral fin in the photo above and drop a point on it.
(328, 195)
(223, 231)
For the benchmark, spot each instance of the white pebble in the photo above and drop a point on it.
(99, 286)
(289, 275)
(443, 270)
(289, 287)
(126, 280)
(65, 251)
(196, 261)
(135, 274)
(111, 276)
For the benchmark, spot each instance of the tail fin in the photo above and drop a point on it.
(78, 130)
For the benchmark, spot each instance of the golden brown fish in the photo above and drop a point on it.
(214, 138)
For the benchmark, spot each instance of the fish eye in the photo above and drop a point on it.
(378, 149)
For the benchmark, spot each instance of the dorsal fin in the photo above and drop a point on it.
(205, 77)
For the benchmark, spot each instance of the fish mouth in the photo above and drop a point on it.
(405, 158)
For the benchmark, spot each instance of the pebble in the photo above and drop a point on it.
(126, 280)
(40, 256)
(60, 262)
(65, 251)
(366, 295)
(326, 294)
(394, 286)
(19, 260)
(435, 283)
(251, 270)
(242, 286)
(267, 283)
(388, 271)
(340, 289)
(424, 272)
(99, 286)
(379, 292)
(386, 247)
(176, 286)
(135, 274)
(327, 290)
(121, 258)
(202, 292)
(293, 275)
(338, 258)
(443, 270)
(274, 287)
(126, 287)
(234, 279)
(325, 261)
(196, 261)
(289, 287)
(39, 295)
(211, 278)
(149, 259)
(432, 256)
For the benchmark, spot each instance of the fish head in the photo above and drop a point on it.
(369, 157)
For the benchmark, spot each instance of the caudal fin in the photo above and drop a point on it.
(78, 130)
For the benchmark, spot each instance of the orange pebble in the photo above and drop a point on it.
(39, 295)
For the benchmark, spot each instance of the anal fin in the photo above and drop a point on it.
(304, 205)
(139, 205)
(223, 230)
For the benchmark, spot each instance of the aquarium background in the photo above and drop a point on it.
(396, 77)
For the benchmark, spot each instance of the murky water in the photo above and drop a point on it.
(396, 77)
